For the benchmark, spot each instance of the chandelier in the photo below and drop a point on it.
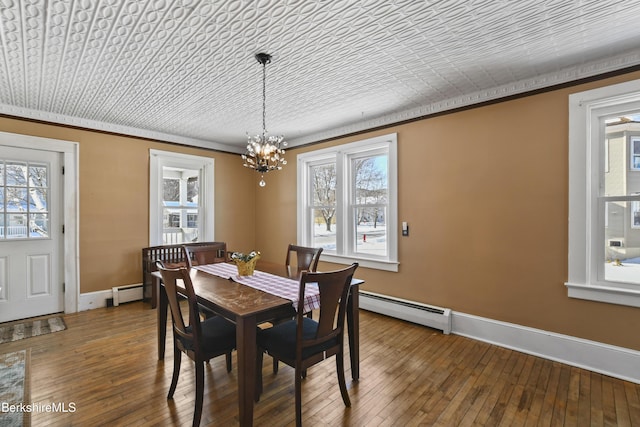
(265, 152)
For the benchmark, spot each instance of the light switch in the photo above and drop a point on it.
(405, 228)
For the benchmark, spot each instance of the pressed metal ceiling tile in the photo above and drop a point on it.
(184, 71)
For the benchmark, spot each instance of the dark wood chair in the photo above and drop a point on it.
(209, 253)
(200, 340)
(304, 342)
(306, 260)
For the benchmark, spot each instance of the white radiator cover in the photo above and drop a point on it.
(411, 311)
(127, 293)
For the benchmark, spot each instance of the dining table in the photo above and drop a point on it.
(261, 298)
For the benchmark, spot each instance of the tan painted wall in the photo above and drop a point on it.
(485, 193)
(114, 201)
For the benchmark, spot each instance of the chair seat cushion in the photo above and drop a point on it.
(218, 335)
(280, 340)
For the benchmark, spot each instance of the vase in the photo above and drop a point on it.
(246, 268)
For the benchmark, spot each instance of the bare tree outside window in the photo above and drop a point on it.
(371, 189)
(324, 193)
(171, 190)
(24, 200)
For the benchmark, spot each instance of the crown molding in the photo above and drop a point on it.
(567, 75)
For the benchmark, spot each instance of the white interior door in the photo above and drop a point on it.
(30, 233)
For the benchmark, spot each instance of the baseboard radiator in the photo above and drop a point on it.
(127, 293)
(411, 311)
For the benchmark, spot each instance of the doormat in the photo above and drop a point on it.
(14, 388)
(31, 328)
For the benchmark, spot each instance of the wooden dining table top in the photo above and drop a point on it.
(238, 299)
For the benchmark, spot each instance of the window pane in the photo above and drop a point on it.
(193, 188)
(635, 153)
(16, 199)
(192, 220)
(324, 229)
(323, 179)
(171, 218)
(17, 174)
(39, 225)
(17, 226)
(171, 190)
(371, 231)
(37, 176)
(370, 180)
(622, 242)
(1, 199)
(38, 200)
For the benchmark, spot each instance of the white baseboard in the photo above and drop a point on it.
(617, 362)
(98, 299)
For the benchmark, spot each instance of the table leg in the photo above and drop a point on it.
(163, 303)
(353, 329)
(246, 354)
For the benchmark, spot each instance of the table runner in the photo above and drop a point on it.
(275, 285)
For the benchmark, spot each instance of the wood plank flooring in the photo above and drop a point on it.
(106, 364)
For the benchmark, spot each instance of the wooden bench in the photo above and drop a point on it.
(172, 256)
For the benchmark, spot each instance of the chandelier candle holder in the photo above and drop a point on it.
(265, 153)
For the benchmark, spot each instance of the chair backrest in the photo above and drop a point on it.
(188, 334)
(306, 259)
(209, 253)
(334, 289)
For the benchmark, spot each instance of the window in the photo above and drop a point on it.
(635, 153)
(24, 200)
(604, 194)
(181, 198)
(180, 204)
(348, 203)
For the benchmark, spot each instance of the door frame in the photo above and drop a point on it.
(69, 210)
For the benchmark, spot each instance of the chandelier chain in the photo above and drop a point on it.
(264, 98)
(264, 152)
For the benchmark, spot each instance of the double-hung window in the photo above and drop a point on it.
(604, 194)
(180, 198)
(348, 202)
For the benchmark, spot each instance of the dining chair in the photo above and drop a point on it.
(205, 253)
(303, 342)
(306, 260)
(200, 340)
(209, 253)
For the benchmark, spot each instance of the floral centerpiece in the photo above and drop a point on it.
(246, 263)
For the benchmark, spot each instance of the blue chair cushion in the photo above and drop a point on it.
(280, 340)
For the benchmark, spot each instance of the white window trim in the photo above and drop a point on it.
(586, 113)
(387, 142)
(158, 160)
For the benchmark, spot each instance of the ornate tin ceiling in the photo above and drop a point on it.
(184, 71)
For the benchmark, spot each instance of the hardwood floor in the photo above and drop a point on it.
(106, 364)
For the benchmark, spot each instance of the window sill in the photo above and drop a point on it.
(607, 294)
(363, 262)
